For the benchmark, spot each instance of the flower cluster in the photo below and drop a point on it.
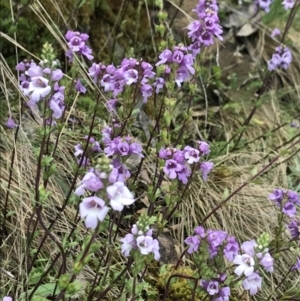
(282, 58)
(216, 240)
(203, 32)
(179, 60)
(77, 44)
(35, 81)
(140, 238)
(286, 200)
(107, 174)
(94, 208)
(131, 71)
(253, 255)
(122, 147)
(177, 161)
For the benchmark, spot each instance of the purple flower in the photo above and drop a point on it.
(267, 262)
(78, 150)
(119, 196)
(93, 209)
(155, 249)
(112, 105)
(193, 242)
(264, 4)
(223, 294)
(129, 242)
(252, 283)
(191, 154)
(282, 58)
(212, 287)
(206, 168)
(106, 135)
(146, 92)
(131, 76)
(207, 38)
(275, 32)
(76, 42)
(56, 75)
(183, 174)
(203, 148)
(166, 153)
(182, 75)
(159, 84)
(215, 240)
(35, 71)
(294, 228)
(147, 244)
(171, 168)
(148, 73)
(231, 249)
(215, 237)
(297, 265)
(112, 147)
(39, 88)
(293, 197)
(107, 82)
(288, 4)
(119, 172)
(204, 32)
(79, 87)
(123, 148)
(165, 57)
(7, 298)
(195, 48)
(136, 148)
(144, 242)
(178, 156)
(90, 182)
(95, 71)
(57, 105)
(245, 264)
(246, 261)
(289, 209)
(21, 66)
(177, 57)
(276, 196)
(274, 62)
(200, 231)
(188, 62)
(10, 124)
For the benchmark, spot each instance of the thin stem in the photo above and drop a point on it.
(102, 294)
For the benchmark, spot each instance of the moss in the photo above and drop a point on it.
(180, 289)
